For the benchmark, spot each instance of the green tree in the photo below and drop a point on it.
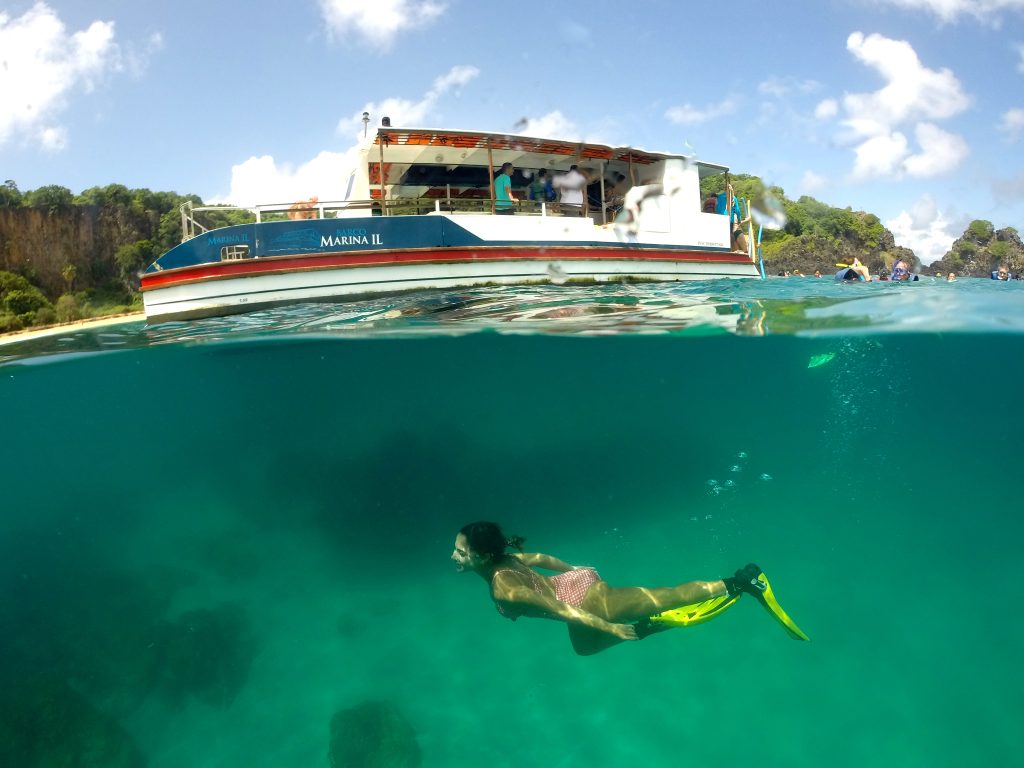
(981, 230)
(69, 272)
(19, 301)
(70, 307)
(10, 195)
(52, 197)
(1000, 250)
(132, 259)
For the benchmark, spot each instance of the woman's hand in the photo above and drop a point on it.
(623, 631)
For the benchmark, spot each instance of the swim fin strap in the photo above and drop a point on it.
(698, 613)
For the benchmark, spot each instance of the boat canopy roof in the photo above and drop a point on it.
(419, 146)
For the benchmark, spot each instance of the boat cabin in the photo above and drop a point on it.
(409, 171)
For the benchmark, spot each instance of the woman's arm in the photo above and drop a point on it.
(507, 588)
(547, 562)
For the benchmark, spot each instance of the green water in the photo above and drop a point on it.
(208, 549)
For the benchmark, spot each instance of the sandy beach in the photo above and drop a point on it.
(77, 325)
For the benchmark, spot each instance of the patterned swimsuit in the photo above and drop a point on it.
(570, 587)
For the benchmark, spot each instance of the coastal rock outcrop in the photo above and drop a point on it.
(981, 249)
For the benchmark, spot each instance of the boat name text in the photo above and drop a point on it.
(228, 239)
(355, 236)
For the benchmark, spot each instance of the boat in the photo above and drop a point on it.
(420, 213)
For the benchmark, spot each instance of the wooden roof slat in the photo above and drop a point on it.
(526, 145)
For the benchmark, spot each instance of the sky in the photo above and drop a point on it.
(909, 109)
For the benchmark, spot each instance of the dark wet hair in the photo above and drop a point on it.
(487, 539)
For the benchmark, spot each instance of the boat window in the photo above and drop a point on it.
(440, 175)
(234, 252)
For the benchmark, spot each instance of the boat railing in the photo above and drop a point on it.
(216, 217)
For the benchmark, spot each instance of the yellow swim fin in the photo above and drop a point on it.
(698, 613)
(762, 592)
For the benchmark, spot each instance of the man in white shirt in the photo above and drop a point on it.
(571, 186)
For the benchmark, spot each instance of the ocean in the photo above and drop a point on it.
(226, 542)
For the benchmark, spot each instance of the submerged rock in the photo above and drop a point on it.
(373, 735)
(44, 723)
(205, 654)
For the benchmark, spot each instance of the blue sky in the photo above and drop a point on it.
(910, 109)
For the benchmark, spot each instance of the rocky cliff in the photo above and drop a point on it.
(42, 244)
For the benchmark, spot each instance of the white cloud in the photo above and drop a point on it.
(53, 139)
(987, 11)
(136, 60)
(826, 109)
(924, 230)
(262, 180)
(940, 153)
(378, 22)
(912, 90)
(811, 182)
(880, 155)
(406, 112)
(1020, 53)
(913, 97)
(42, 65)
(1012, 124)
(779, 87)
(688, 114)
(551, 124)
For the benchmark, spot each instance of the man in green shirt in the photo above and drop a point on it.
(503, 197)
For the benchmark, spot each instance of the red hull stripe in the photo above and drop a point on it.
(279, 264)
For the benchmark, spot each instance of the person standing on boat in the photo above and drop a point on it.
(504, 200)
(571, 186)
(540, 190)
(598, 616)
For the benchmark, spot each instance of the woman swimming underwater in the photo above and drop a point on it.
(599, 616)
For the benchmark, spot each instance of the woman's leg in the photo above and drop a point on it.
(586, 641)
(627, 604)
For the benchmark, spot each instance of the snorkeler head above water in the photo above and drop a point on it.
(599, 616)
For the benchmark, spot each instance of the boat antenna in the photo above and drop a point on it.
(366, 122)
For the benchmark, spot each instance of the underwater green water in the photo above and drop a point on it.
(209, 548)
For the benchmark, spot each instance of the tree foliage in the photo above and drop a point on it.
(132, 259)
(10, 195)
(981, 230)
(52, 197)
(20, 302)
